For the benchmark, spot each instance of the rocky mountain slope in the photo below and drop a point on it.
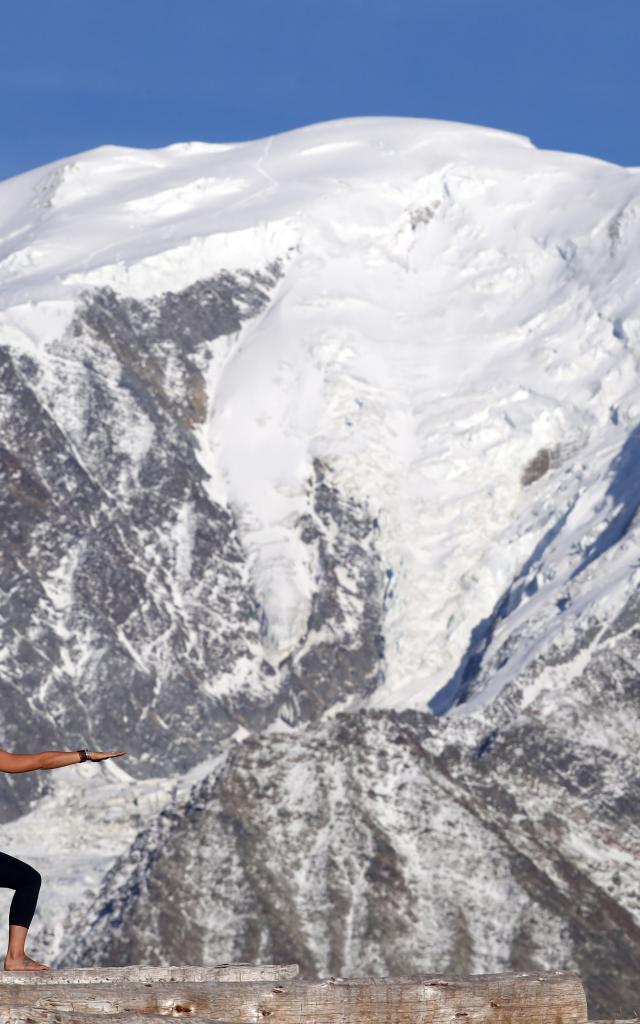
(385, 842)
(345, 420)
(129, 610)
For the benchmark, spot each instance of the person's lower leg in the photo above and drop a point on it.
(21, 913)
(16, 958)
(17, 939)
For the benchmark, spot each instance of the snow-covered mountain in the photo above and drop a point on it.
(345, 420)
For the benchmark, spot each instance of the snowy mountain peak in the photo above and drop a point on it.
(454, 308)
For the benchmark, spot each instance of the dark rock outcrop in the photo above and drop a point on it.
(127, 613)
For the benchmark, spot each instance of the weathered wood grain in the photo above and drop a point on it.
(153, 975)
(34, 1015)
(546, 998)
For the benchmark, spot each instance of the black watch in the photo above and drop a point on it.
(84, 755)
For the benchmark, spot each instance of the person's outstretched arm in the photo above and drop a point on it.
(13, 763)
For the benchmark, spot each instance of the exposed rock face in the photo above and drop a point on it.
(396, 843)
(344, 644)
(128, 612)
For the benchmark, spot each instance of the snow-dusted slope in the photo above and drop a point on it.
(389, 843)
(346, 417)
(455, 304)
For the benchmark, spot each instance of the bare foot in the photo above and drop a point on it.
(23, 963)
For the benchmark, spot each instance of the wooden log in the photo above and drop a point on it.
(152, 975)
(35, 1015)
(556, 997)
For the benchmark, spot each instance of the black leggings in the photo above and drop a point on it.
(15, 874)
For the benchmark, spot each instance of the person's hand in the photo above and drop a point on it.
(100, 755)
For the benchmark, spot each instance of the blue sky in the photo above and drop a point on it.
(80, 73)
